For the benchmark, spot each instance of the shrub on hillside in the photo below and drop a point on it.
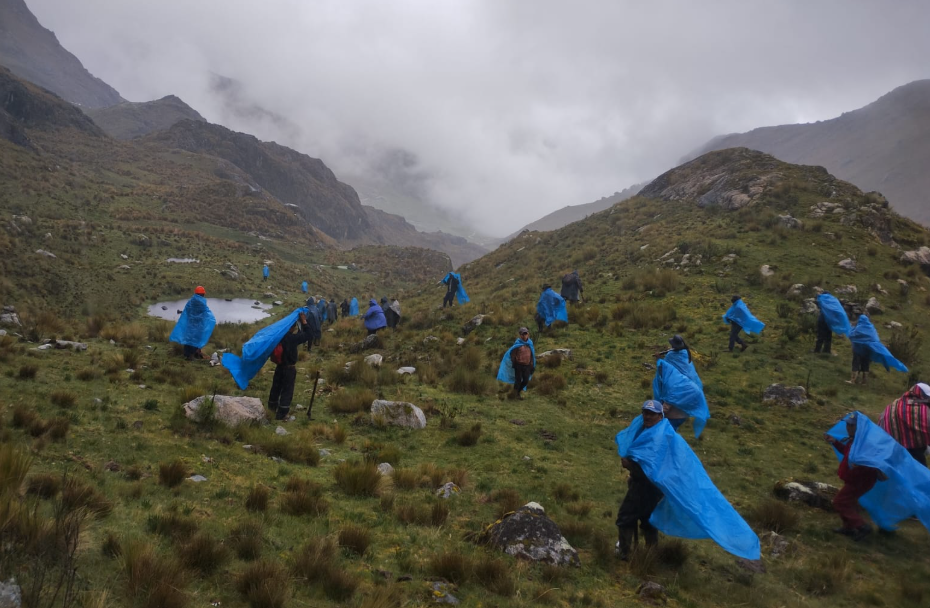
(246, 540)
(171, 474)
(153, 580)
(202, 553)
(63, 398)
(264, 584)
(549, 383)
(644, 315)
(359, 478)
(355, 539)
(775, 516)
(349, 401)
(469, 437)
(905, 344)
(468, 381)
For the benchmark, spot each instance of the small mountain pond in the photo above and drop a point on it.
(238, 310)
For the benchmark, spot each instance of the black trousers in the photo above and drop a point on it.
(521, 375)
(734, 335)
(190, 351)
(919, 454)
(282, 391)
(448, 299)
(824, 342)
(640, 501)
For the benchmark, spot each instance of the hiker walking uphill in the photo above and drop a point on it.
(868, 347)
(519, 363)
(907, 419)
(285, 374)
(832, 319)
(344, 307)
(740, 319)
(679, 388)
(194, 328)
(332, 312)
(321, 306)
(880, 476)
(670, 492)
(353, 307)
(316, 322)
(304, 287)
(572, 288)
(550, 308)
(454, 288)
(265, 272)
(391, 312)
(374, 318)
(259, 348)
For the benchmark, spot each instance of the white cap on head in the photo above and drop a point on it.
(924, 388)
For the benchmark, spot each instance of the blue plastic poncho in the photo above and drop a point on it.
(551, 307)
(257, 350)
(196, 324)
(679, 360)
(739, 314)
(834, 313)
(673, 387)
(505, 372)
(321, 306)
(353, 307)
(374, 316)
(865, 335)
(460, 292)
(693, 507)
(906, 492)
(303, 287)
(266, 271)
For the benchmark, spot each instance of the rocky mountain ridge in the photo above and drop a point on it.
(128, 120)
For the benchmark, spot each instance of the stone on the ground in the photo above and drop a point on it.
(776, 543)
(231, 411)
(374, 360)
(11, 596)
(47, 254)
(112, 466)
(918, 256)
(214, 360)
(847, 264)
(398, 413)
(197, 478)
(278, 303)
(561, 353)
(44, 347)
(371, 341)
(873, 307)
(324, 453)
(796, 289)
(460, 341)
(407, 370)
(281, 431)
(442, 593)
(766, 270)
(9, 316)
(429, 339)
(729, 258)
(809, 306)
(847, 289)
(754, 566)
(789, 222)
(448, 490)
(528, 533)
(893, 325)
(651, 592)
(386, 469)
(62, 344)
(789, 396)
(473, 324)
(812, 493)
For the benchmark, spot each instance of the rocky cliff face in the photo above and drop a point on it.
(34, 53)
(129, 120)
(394, 230)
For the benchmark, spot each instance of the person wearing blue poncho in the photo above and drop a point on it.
(265, 272)
(903, 488)
(684, 502)
(304, 287)
(549, 308)
(256, 351)
(194, 328)
(680, 395)
(868, 347)
(832, 319)
(740, 319)
(353, 307)
(518, 363)
(454, 287)
(374, 318)
(321, 306)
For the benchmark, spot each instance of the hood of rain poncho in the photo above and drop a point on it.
(679, 360)
(551, 307)
(834, 313)
(257, 350)
(265, 271)
(321, 307)
(374, 316)
(675, 388)
(864, 334)
(460, 292)
(739, 313)
(196, 324)
(303, 287)
(693, 507)
(505, 372)
(906, 492)
(395, 306)
(353, 307)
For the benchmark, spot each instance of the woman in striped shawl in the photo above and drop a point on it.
(908, 421)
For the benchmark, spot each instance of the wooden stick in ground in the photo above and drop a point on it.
(313, 396)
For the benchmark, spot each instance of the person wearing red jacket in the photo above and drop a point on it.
(858, 481)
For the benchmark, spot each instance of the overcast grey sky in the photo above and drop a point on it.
(512, 108)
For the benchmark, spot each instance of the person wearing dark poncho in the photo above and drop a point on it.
(344, 307)
(332, 312)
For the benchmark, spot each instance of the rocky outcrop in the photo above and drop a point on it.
(847, 264)
(473, 324)
(231, 411)
(129, 119)
(918, 256)
(788, 396)
(812, 493)
(528, 533)
(372, 341)
(873, 307)
(561, 353)
(398, 413)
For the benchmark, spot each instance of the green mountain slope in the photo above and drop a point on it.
(129, 119)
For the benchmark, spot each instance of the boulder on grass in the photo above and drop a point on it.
(372, 341)
(528, 533)
(231, 411)
(812, 493)
(398, 413)
(473, 324)
(561, 353)
(788, 396)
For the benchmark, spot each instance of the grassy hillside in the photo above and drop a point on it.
(86, 416)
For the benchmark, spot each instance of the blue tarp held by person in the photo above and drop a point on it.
(304, 287)
(692, 507)
(505, 372)
(266, 271)
(196, 324)
(460, 294)
(834, 313)
(906, 492)
(739, 313)
(257, 350)
(864, 334)
(673, 387)
(679, 360)
(353, 307)
(551, 307)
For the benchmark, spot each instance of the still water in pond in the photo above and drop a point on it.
(238, 310)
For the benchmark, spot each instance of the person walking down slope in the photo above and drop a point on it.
(391, 312)
(265, 272)
(677, 385)
(572, 288)
(740, 319)
(907, 419)
(518, 363)
(332, 312)
(868, 347)
(550, 308)
(344, 307)
(285, 373)
(858, 479)
(832, 319)
(454, 288)
(374, 318)
(195, 326)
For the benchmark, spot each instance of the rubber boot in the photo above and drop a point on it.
(650, 536)
(625, 542)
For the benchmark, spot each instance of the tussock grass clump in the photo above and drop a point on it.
(564, 492)
(452, 566)
(355, 539)
(14, 466)
(359, 478)
(774, 515)
(377, 453)
(257, 499)
(350, 401)
(644, 315)
(88, 374)
(112, 363)
(431, 476)
(27, 372)
(468, 381)
(458, 476)
(406, 479)
(264, 584)
(673, 553)
(171, 474)
(76, 495)
(153, 580)
(303, 497)
(469, 437)
(549, 383)
(656, 280)
(23, 417)
(128, 334)
(421, 514)
(427, 374)
(339, 434)
(826, 575)
(494, 575)
(246, 540)
(111, 546)
(577, 532)
(202, 553)
(551, 362)
(579, 509)
(316, 563)
(58, 428)
(43, 485)
(507, 499)
(905, 344)
(189, 393)
(171, 525)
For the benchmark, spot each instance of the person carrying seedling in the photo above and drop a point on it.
(740, 319)
(285, 373)
(519, 363)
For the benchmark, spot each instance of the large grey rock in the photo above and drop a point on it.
(809, 306)
(873, 307)
(67, 344)
(473, 324)
(789, 222)
(789, 396)
(442, 593)
(372, 341)
(231, 411)
(448, 490)
(561, 353)
(374, 360)
(406, 370)
(812, 493)
(796, 289)
(777, 544)
(398, 413)
(10, 318)
(766, 270)
(918, 256)
(386, 469)
(847, 264)
(528, 533)
(651, 592)
(846, 289)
